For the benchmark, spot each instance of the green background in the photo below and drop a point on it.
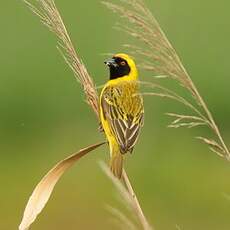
(43, 118)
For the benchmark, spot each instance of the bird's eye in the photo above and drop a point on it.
(123, 63)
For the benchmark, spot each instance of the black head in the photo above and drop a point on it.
(118, 67)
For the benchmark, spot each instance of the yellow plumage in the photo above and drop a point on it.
(121, 109)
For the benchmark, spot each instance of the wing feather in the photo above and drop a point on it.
(125, 123)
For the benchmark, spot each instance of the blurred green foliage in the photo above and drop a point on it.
(43, 118)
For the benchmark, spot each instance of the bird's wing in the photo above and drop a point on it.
(124, 123)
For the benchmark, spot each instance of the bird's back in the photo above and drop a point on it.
(122, 108)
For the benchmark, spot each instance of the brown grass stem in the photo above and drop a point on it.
(136, 203)
(127, 192)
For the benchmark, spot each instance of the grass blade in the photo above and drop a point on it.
(43, 190)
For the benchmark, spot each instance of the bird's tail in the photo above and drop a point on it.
(116, 163)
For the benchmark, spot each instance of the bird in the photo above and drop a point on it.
(121, 109)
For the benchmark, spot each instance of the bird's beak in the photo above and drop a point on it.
(110, 62)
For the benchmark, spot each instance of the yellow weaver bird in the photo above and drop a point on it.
(121, 109)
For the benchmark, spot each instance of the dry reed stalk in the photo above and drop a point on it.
(129, 196)
(162, 59)
(47, 11)
(136, 204)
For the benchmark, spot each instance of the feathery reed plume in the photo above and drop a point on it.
(47, 11)
(161, 58)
